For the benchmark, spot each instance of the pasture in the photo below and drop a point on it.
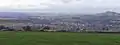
(58, 38)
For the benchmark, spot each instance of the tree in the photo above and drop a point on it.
(105, 28)
(10, 29)
(24, 28)
(2, 27)
(27, 28)
(77, 29)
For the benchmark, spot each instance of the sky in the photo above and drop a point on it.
(70, 6)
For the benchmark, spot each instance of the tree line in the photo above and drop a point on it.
(43, 29)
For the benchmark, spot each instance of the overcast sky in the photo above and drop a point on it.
(76, 6)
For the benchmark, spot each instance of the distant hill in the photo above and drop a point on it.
(109, 13)
(22, 17)
(13, 15)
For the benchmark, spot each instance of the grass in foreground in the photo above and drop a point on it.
(57, 38)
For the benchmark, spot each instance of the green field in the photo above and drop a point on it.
(58, 38)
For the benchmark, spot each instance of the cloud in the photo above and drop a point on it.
(86, 6)
(61, 5)
(22, 4)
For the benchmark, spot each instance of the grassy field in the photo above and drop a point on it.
(57, 38)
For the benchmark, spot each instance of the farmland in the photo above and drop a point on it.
(58, 38)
